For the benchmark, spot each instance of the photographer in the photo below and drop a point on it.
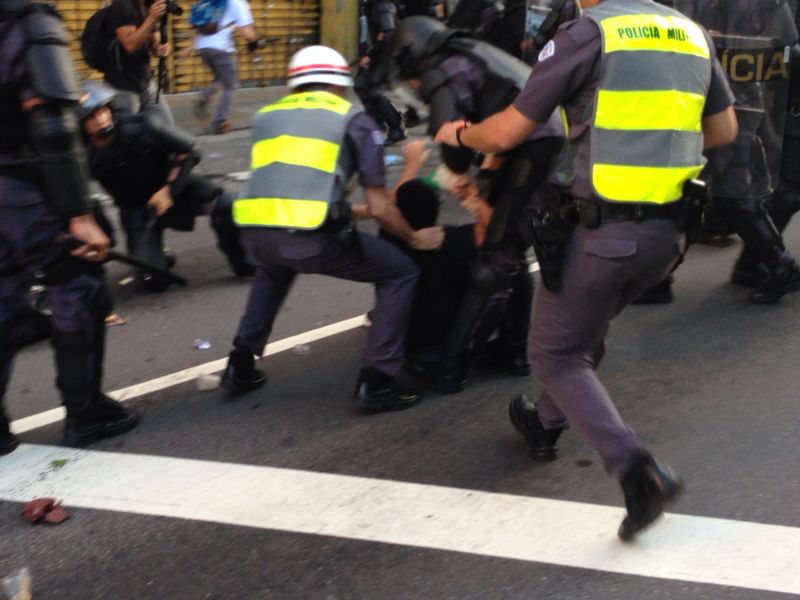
(147, 169)
(135, 24)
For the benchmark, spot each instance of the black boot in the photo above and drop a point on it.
(542, 442)
(8, 441)
(91, 415)
(648, 489)
(749, 218)
(103, 418)
(376, 391)
(660, 293)
(748, 272)
(516, 324)
(780, 281)
(517, 361)
(445, 376)
(241, 375)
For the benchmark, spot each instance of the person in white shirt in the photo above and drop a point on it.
(218, 51)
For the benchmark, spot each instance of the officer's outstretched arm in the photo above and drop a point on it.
(498, 133)
(720, 129)
(392, 220)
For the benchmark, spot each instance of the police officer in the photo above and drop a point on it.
(743, 175)
(295, 218)
(373, 76)
(785, 200)
(468, 79)
(44, 196)
(618, 71)
(499, 22)
(147, 169)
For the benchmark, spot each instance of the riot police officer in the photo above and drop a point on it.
(43, 198)
(785, 200)
(618, 85)
(147, 169)
(295, 218)
(372, 76)
(463, 78)
(743, 175)
(501, 23)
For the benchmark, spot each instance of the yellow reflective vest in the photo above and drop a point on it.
(646, 135)
(294, 162)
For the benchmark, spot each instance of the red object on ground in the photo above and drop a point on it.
(47, 510)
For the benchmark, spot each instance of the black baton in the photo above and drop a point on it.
(70, 243)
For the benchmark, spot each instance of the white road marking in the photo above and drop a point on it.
(160, 383)
(682, 547)
(154, 385)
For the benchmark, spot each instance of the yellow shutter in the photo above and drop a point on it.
(289, 24)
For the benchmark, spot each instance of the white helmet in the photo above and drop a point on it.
(319, 64)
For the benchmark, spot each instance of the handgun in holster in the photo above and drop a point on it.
(695, 198)
(340, 216)
(550, 232)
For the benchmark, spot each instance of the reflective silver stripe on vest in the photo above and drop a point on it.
(281, 180)
(650, 70)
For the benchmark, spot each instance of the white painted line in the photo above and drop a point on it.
(135, 391)
(190, 374)
(682, 547)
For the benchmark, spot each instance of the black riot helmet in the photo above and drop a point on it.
(414, 39)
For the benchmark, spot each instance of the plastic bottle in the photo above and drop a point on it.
(392, 160)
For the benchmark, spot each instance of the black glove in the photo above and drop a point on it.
(256, 44)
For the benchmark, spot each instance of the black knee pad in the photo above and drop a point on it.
(24, 328)
(486, 280)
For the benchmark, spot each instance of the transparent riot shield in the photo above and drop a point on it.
(752, 38)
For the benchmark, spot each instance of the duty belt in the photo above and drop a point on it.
(593, 214)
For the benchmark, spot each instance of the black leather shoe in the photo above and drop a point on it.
(241, 375)
(442, 379)
(525, 419)
(377, 391)
(780, 281)
(660, 293)
(104, 418)
(8, 441)
(648, 489)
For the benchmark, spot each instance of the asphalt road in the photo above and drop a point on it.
(709, 382)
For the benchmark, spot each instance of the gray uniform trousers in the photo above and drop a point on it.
(281, 255)
(605, 269)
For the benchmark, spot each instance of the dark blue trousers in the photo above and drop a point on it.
(281, 255)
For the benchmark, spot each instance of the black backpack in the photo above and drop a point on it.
(98, 45)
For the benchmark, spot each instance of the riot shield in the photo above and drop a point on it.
(752, 39)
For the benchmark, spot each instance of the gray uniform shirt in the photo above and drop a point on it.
(568, 74)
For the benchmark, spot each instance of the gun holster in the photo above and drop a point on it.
(341, 221)
(550, 232)
(695, 199)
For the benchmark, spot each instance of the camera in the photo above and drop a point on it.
(173, 8)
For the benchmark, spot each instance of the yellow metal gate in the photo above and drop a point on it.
(287, 24)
